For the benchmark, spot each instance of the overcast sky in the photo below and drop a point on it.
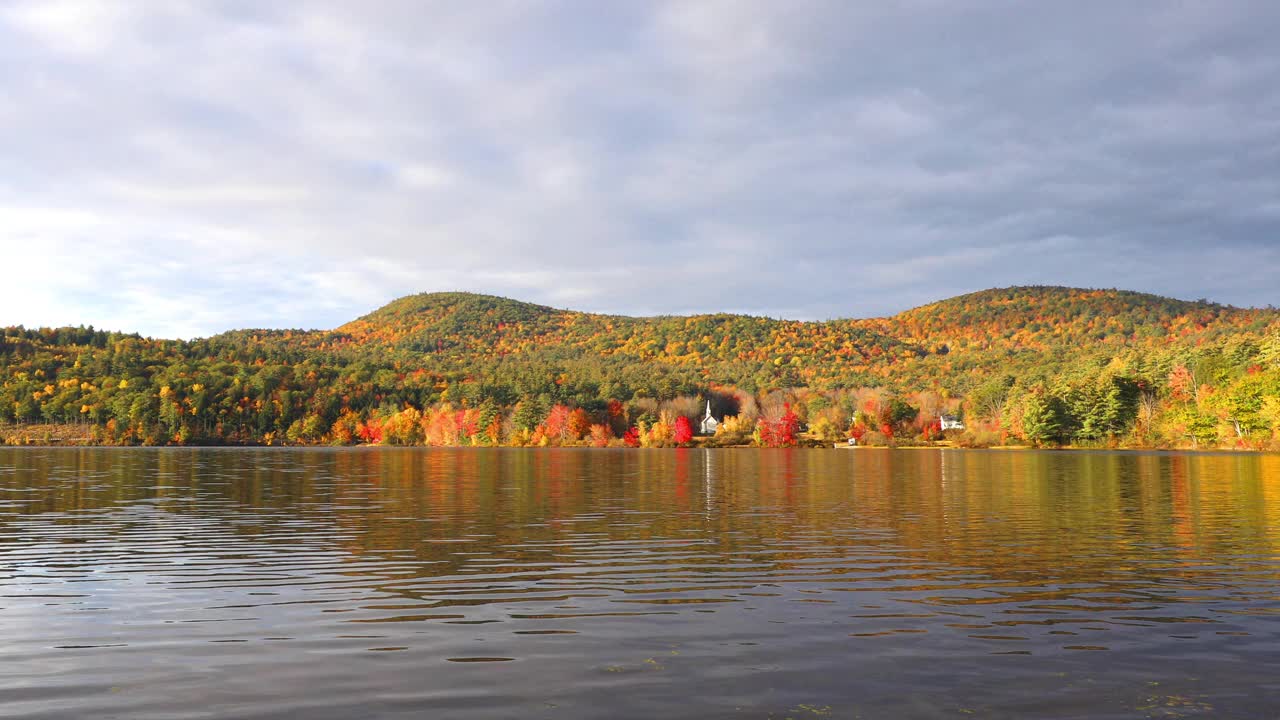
(184, 168)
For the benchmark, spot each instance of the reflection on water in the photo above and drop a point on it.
(575, 583)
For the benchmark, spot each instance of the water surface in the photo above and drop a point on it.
(389, 583)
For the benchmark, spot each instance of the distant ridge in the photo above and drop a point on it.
(484, 303)
(1018, 318)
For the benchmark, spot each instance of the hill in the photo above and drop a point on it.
(1039, 317)
(985, 330)
(988, 355)
(464, 327)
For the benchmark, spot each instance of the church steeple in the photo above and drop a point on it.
(709, 424)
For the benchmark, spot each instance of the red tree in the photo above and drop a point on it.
(766, 433)
(857, 431)
(467, 427)
(557, 423)
(781, 432)
(371, 431)
(631, 437)
(788, 427)
(684, 431)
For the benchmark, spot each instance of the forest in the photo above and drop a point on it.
(1043, 366)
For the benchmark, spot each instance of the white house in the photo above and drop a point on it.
(709, 424)
(950, 422)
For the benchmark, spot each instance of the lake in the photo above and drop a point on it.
(507, 583)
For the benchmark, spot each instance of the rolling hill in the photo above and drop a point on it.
(467, 351)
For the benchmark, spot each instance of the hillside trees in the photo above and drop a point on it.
(1042, 365)
(1043, 418)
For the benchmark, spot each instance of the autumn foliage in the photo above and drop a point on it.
(683, 431)
(779, 432)
(1031, 365)
(631, 438)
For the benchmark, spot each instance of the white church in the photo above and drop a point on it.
(709, 424)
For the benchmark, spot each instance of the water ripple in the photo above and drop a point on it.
(223, 575)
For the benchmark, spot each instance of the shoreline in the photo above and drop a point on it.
(882, 448)
(49, 435)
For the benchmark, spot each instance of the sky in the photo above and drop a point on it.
(183, 168)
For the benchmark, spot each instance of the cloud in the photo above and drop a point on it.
(189, 169)
(69, 26)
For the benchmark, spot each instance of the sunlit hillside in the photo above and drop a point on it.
(1062, 346)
